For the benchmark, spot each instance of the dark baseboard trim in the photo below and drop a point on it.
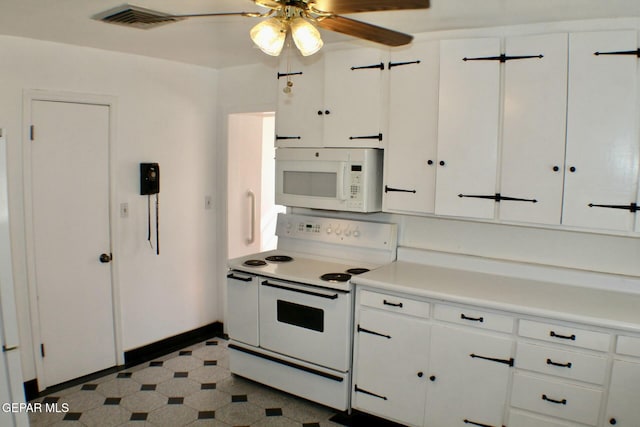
(31, 389)
(171, 344)
(360, 419)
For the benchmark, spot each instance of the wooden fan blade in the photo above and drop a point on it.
(365, 31)
(354, 6)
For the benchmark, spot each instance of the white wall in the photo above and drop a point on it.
(166, 114)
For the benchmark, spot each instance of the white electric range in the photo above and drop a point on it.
(290, 310)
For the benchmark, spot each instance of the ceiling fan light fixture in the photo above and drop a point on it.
(305, 36)
(269, 35)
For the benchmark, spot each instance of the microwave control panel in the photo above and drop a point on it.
(355, 187)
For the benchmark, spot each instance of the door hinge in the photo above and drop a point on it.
(42, 349)
(31, 133)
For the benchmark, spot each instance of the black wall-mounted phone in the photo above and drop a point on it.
(149, 178)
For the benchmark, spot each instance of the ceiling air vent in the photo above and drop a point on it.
(134, 16)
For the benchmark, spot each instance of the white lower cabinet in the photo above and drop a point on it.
(242, 292)
(469, 374)
(390, 366)
(623, 407)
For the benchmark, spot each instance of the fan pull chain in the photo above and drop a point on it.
(289, 85)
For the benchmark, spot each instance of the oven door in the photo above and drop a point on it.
(306, 322)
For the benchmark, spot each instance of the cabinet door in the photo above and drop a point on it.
(623, 409)
(602, 140)
(469, 372)
(353, 97)
(534, 129)
(242, 300)
(410, 148)
(467, 127)
(299, 119)
(390, 363)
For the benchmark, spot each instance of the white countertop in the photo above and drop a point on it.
(598, 307)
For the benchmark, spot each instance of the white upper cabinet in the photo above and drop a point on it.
(602, 138)
(298, 123)
(468, 127)
(353, 97)
(410, 148)
(534, 129)
(335, 99)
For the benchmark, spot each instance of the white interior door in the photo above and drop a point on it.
(71, 224)
(251, 210)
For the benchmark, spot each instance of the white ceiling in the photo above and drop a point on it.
(219, 42)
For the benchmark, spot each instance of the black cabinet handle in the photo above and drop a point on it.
(368, 331)
(397, 64)
(491, 359)
(477, 424)
(327, 112)
(572, 169)
(502, 58)
(432, 378)
(360, 390)
(622, 52)
(613, 421)
(556, 168)
(378, 137)
(105, 258)
(392, 304)
(498, 197)
(558, 402)
(278, 137)
(420, 374)
(442, 163)
(562, 365)
(400, 190)
(320, 112)
(472, 319)
(368, 67)
(289, 74)
(562, 337)
(632, 207)
(429, 162)
(242, 279)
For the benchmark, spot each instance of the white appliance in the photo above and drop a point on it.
(290, 310)
(342, 179)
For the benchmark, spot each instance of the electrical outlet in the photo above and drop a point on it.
(208, 202)
(124, 210)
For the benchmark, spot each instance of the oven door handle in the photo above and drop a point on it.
(243, 279)
(302, 291)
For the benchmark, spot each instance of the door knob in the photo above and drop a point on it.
(104, 258)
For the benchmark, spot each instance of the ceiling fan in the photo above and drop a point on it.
(296, 17)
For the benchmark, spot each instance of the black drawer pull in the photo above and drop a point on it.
(297, 73)
(491, 359)
(562, 337)
(623, 52)
(243, 279)
(392, 304)
(502, 58)
(558, 402)
(477, 424)
(397, 64)
(367, 331)
(378, 137)
(278, 137)
(562, 365)
(632, 207)
(400, 190)
(472, 319)
(369, 67)
(360, 390)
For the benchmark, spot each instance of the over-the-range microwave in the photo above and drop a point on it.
(342, 179)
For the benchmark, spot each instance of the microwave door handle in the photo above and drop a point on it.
(342, 181)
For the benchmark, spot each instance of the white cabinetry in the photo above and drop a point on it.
(602, 139)
(622, 407)
(335, 100)
(242, 293)
(410, 149)
(534, 129)
(468, 124)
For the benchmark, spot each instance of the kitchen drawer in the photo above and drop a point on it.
(628, 345)
(520, 419)
(567, 335)
(557, 399)
(395, 304)
(472, 317)
(562, 363)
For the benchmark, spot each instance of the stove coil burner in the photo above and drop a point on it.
(254, 263)
(279, 258)
(357, 271)
(335, 277)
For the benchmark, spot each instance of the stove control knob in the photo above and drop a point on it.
(347, 232)
(338, 231)
(329, 230)
(356, 233)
